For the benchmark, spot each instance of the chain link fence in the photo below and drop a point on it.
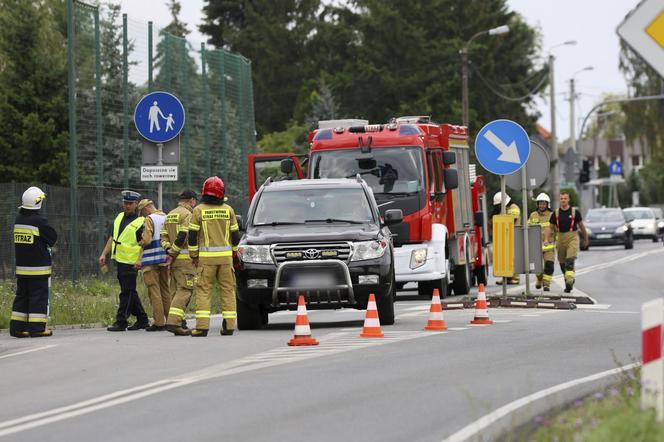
(113, 62)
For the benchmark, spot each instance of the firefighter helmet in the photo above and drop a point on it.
(32, 198)
(498, 196)
(214, 186)
(543, 197)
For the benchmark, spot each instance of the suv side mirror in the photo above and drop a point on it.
(449, 158)
(287, 166)
(451, 178)
(240, 222)
(393, 216)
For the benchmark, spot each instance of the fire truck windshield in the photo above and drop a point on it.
(387, 170)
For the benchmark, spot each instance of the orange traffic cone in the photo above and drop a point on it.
(436, 321)
(481, 308)
(371, 321)
(302, 329)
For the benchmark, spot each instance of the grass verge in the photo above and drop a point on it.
(89, 301)
(610, 415)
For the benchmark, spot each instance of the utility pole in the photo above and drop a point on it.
(554, 138)
(572, 134)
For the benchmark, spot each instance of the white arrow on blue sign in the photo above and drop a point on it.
(502, 147)
(615, 168)
(159, 117)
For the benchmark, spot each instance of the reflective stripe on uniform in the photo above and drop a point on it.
(26, 228)
(202, 313)
(194, 227)
(546, 277)
(19, 316)
(212, 252)
(37, 317)
(229, 314)
(32, 271)
(216, 249)
(549, 247)
(176, 312)
(184, 254)
(570, 274)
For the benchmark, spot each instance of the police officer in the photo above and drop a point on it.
(126, 252)
(213, 234)
(542, 217)
(183, 272)
(510, 209)
(32, 239)
(565, 222)
(153, 262)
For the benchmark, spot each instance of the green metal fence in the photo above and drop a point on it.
(113, 61)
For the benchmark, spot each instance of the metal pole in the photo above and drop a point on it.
(524, 221)
(100, 139)
(73, 167)
(160, 162)
(206, 119)
(150, 60)
(185, 86)
(554, 137)
(125, 99)
(224, 132)
(572, 97)
(503, 210)
(465, 117)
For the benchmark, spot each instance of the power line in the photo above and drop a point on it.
(493, 89)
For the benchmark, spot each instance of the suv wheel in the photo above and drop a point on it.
(655, 238)
(248, 316)
(461, 279)
(385, 304)
(425, 288)
(629, 242)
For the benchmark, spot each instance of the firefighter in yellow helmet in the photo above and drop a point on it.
(153, 263)
(183, 272)
(565, 222)
(510, 209)
(33, 238)
(542, 216)
(213, 234)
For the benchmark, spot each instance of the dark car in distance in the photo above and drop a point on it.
(608, 227)
(322, 238)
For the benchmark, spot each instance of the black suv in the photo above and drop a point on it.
(320, 238)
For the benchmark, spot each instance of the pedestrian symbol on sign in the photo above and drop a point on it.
(159, 117)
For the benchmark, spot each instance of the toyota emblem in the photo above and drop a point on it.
(311, 253)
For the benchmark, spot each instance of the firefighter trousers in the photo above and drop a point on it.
(156, 278)
(30, 308)
(130, 303)
(546, 276)
(567, 244)
(225, 276)
(183, 279)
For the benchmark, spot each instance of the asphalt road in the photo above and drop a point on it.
(412, 385)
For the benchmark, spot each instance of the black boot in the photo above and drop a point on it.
(224, 331)
(184, 324)
(138, 325)
(116, 327)
(154, 328)
(41, 334)
(197, 333)
(178, 331)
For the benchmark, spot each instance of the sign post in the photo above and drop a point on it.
(502, 147)
(159, 118)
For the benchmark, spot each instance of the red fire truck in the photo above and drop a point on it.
(410, 164)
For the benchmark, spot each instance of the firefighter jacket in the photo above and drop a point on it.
(542, 218)
(210, 229)
(174, 234)
(513, 209)
(153, 253)
(125, 247)
(32, 239)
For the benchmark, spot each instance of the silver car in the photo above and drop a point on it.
(644, 222)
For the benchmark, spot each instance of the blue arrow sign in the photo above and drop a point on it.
(615, 168)
(502, 147)
(159, 117)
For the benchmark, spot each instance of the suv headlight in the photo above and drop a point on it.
(418, 258)
(255, 254)
(622, 229)
(364, 250)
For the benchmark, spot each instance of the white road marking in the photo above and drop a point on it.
(619, 312)
(502, 321)
(481, 424)
(530, 315)
(334, 343)
(593, 306)
(31, 350)
(457, 328)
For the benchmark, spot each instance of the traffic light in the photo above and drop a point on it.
(584, 174)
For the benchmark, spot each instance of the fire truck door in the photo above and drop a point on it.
(263, 166)
(435, 166)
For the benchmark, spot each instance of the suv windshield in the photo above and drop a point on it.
(605, 216)
(386, 170)
(313, 205)
(639, 213)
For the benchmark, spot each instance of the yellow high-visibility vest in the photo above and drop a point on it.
(125, 248)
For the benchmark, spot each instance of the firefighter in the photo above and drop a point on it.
(542, 216)
(33, 238)
(153, 263)
(510, 209)
(183, 272)
(126, 252)
(213, 234)
(564, 223)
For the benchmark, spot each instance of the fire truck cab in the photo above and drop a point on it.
(410, 164)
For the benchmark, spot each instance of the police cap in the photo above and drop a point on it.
(129, 196)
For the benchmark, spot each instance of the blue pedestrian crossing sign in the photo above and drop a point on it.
(502, 147)
(615, 168)
(159, 117)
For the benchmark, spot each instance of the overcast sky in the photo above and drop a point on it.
(592, 23)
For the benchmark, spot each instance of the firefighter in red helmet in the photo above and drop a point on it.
(213, 235)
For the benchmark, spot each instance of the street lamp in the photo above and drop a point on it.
(554, 138)
(572, 97)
